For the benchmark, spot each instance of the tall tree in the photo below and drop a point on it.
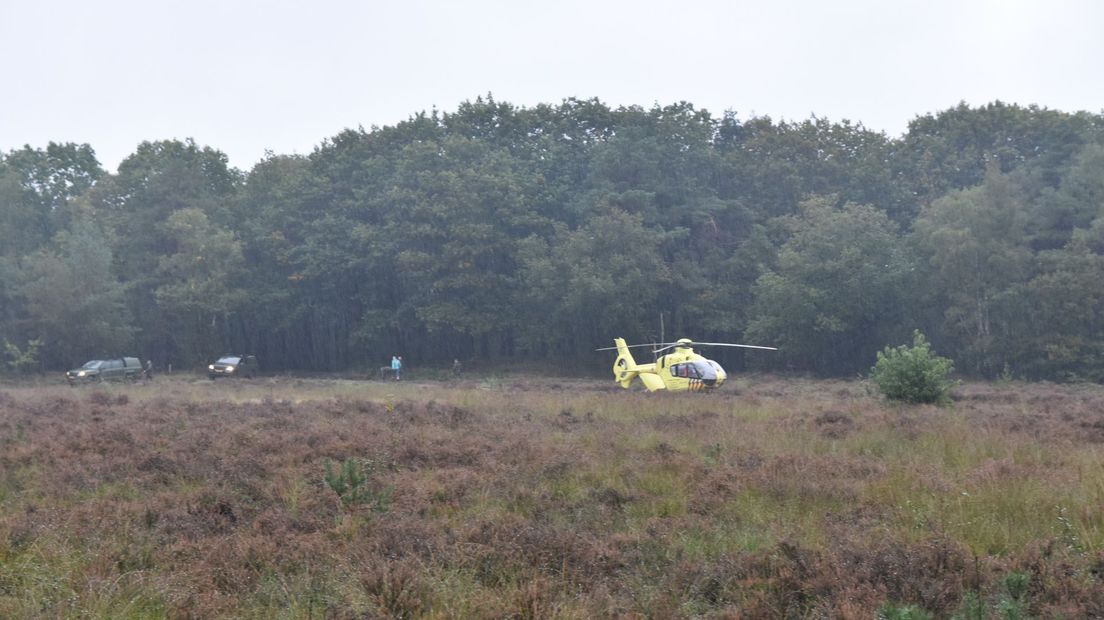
(1077, 200)
(271, 225)
(36, 187)
(953, 149)
(1063, 337)
(835, 296)
(592, 284)
(74, 302)
(159, 179)
(455, 228)
(202, 285)
(975, 260)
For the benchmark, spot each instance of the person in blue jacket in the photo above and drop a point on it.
(396, 367)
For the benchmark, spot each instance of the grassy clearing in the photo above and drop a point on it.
(546, 498)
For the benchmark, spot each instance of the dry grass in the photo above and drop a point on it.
(547, 499)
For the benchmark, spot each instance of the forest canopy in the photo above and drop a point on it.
(503, 232)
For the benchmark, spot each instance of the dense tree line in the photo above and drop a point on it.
(497, 231)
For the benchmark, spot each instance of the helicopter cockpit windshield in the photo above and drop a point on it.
(695, 369)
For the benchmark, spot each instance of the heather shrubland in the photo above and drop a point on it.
(519, 498)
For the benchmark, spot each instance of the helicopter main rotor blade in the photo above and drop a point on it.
(661, 349)
(729, 344)
(713, 344)
(663, 346)
(632, 346)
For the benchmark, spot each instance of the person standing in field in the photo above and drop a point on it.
(396, 366)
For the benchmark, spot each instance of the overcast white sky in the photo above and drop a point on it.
(246, 76)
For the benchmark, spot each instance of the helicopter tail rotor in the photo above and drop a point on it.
(624, 367)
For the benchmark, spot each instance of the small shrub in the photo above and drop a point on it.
(352, 485)
(1008, 609)
(971, 608)
(1016, 583)
(890, 611)
(1012, 605)
(397, 588)
(713, 453)
(913, 374)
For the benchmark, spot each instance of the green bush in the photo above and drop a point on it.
(913, 374)
(352, 483)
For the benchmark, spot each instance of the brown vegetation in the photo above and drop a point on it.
(774, 499)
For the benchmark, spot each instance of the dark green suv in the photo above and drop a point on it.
(233, 366)
(118, 369)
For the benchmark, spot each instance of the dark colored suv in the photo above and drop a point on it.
(233, 366)
(118, 369)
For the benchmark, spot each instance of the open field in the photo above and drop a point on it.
(514, 498)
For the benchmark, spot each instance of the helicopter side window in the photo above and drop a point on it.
(695, 369)
(705, 371)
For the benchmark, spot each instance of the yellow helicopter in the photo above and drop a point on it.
(682, 370)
